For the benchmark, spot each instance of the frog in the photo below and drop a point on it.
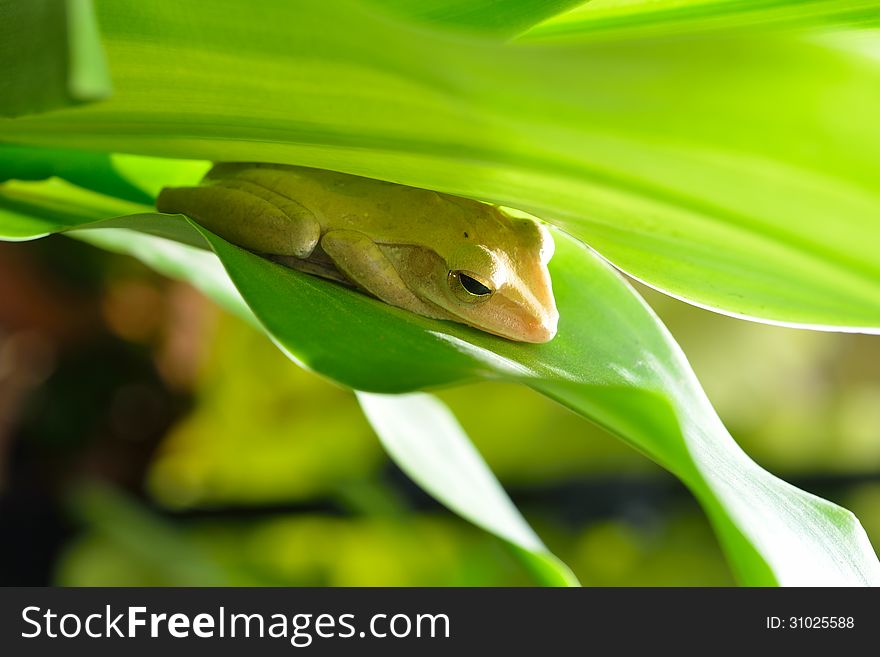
(435, 254)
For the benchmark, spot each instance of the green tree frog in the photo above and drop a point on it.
(434, 254)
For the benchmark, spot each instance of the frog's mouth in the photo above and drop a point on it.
(509, 319)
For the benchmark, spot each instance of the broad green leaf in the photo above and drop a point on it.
(612, 361)
(734, 171)
(427, 442)
(51, 54)
(613, 19)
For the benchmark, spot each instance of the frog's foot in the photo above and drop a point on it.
(363, 262)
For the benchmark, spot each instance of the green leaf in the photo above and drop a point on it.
(614, 19)
(612, 362)
(734, 171)
(429, 445)
(51, 54)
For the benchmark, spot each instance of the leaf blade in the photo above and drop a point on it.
(648, 396)
(603, 19)
(426, 441)
(612, 362)
(754, 197)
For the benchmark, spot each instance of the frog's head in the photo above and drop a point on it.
(497, 282)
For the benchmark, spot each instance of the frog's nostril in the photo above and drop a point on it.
(543, 329)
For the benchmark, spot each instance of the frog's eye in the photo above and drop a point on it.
(469, 287)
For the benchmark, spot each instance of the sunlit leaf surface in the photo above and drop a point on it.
(734, 170)
(614, 19)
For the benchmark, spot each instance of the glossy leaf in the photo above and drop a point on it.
(734, 171)
(612, 361)
(614, 19)
(426, 441)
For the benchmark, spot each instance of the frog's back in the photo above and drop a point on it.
(387, 212)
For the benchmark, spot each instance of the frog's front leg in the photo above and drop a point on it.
(361, 259)
(247, 215)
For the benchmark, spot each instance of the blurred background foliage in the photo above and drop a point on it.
(148, 438)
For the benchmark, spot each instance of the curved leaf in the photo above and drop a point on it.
(613, 19)
(426, 441)
(734, 171)
(629, 145)
(612, 361)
